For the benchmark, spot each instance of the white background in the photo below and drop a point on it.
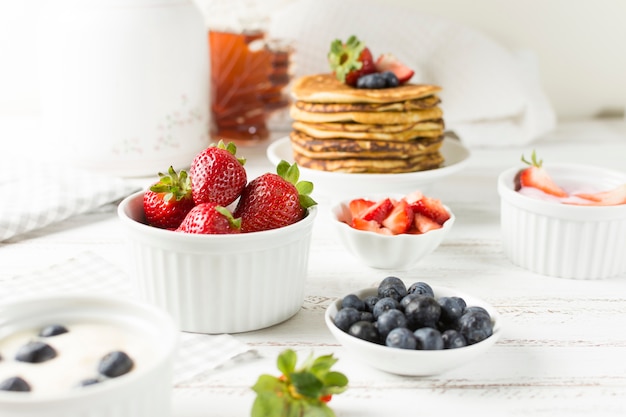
(580, 44)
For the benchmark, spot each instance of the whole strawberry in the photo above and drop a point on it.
(350, 60)
(210, 219)
(272, 200)
(217, 175)
(167, 202)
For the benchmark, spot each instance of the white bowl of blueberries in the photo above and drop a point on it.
(416, 330)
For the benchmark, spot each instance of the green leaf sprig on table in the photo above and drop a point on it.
(298, 392)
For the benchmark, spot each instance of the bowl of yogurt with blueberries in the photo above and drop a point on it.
(72, 355)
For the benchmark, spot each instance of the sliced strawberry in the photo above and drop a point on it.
(613, 197)
(388, 62)
(400, 219)
(413, 197)
(537, 177)
(378, 211)
(424, 224)
(369, 226)
(358, 206)
(350, 60)
(432, 208)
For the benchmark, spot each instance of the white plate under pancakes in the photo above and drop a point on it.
(339, 184)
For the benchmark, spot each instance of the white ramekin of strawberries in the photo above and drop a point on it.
(220, 252)
(564, 220)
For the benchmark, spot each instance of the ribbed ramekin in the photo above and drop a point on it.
(563, 240)
(146, 391)
(219, 283)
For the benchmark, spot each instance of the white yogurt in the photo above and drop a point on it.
(79, 352)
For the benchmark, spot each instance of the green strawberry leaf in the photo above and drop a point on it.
(323, 364)
(282, 168)
(304, 187)
(286, 362)
(336, 382)
(306, 201)
(307, 384)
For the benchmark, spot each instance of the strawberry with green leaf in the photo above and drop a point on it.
(167, 202)
(217, 175)
(300, 391)
(276, 200)
(350, 60)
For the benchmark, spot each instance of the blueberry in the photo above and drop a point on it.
(408, 298)
(453, 339)
(52, 330)
(88, 381)
(422, 312)
(115, 364)
(35, 352)
(428, 338)
(367, 316)
(475, 309)
(392, 287)
(390, 320)
(346, 317)
(15, 384)
(371, 81)
(401, 338)
(451, 308)
(351, 300)
(370, 301)
(420, 288)
(365, 330)
(391, 79)
(384, 304)
(475, 326)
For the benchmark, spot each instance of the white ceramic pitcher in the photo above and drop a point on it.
(124, 84)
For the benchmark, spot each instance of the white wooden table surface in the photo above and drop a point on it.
(563, 349)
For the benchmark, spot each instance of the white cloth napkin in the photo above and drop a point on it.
(491, 96)
(37, 195)
(199, 355)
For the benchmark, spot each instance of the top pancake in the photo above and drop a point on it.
(325, 88)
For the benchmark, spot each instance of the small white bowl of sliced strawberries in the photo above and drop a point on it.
(392, 232)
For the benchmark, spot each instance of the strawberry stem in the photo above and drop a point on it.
(533, 161)
(175, 185)
(344, 57)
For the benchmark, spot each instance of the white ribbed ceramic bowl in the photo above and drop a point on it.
(219, 283)
(399, 252)
(413, 362)
(561, 240)
(150, 338)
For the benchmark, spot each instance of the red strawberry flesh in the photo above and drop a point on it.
(388, 62)
(378, 211)
(400, 219)
(217, 176)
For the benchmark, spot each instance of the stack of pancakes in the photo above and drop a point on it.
(345, 129)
